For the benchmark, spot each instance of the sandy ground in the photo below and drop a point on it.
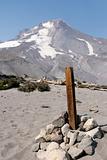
(23, 114)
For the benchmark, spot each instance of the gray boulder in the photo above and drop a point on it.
(65, 129)
(89, 150)
(58, 154)
(52, 146)
(64, 146)
(35, 147)
(84, 118)
(90, 124)
(41, 155)
(72, 136)
(86, 141)
(49, 128)
(54, 137)
(80, 136)
(61, 120)
(75, 152)
(40, 140)
(87, 144)
(43, 146)
(55, 154)
(95, 133)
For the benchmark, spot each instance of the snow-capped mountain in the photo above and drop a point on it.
(46, 50)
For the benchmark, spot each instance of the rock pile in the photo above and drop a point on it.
(58, 141)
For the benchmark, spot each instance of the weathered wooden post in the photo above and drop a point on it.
(70, 89)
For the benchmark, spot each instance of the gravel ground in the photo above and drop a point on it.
(22, 115)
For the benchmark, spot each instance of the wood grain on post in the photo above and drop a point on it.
(70, 89)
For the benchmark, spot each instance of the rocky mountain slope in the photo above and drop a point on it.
(46, 50)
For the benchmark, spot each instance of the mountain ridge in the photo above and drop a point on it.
(46, 49)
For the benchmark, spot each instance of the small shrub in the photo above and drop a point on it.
(8, 83)
(13, 83)
(28, 87)
(43, 86)
(104, 86)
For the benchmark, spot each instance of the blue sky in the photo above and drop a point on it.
(88, 16)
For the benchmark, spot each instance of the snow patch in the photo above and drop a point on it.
(24, 35)
(32, 38)
(23, 57)
(33, 47)
(90, 48)
(72, 56)
(9, 44)
(28, 33)
(42, 42)
(43, 32)
(48, 24)
(61, 50)
(35, 27)
(46, 50)
(70, 51)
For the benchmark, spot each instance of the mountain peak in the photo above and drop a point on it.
(53, 23)
(46, 25)
(48, 48)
